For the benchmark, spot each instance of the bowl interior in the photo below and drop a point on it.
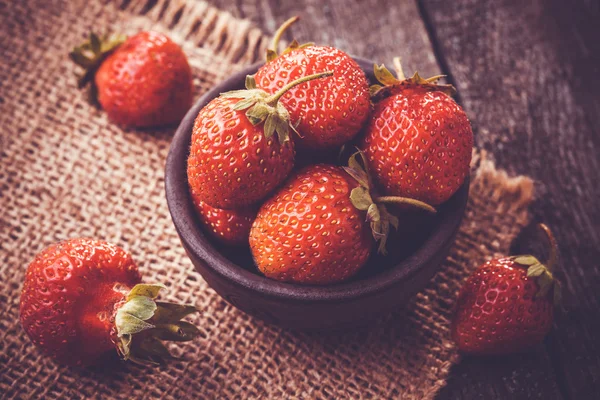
(419, 238)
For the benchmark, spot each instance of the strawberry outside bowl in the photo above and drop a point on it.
(384, 284)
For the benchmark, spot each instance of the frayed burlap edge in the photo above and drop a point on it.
(201, 25)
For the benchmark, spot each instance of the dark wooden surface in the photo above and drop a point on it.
(528, 75)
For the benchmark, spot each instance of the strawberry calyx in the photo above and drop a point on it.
(90, 55)
(143, 323)
(390, 83)
(272, 53)
(542, 273)
(364, 198)
(263, 107)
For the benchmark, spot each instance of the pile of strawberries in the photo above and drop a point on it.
(318, 223)
(254, 181)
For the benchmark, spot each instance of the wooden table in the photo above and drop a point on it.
(528, 75)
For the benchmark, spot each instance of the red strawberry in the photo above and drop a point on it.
(506, 305)
(418, 140)
(230, 227)
(234, 159)
(142, 81)
(315, 229)
(329, 112)
(83, 298)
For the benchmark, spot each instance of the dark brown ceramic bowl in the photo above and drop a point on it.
(383, 285)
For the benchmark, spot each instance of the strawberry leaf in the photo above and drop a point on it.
(141, 307)
(258, 113)
(271, 55)
(373, 213)
(536, 270)
(292, 46)
(243, 104)
(257, 94)
(179, 332)
(374, 89)
(384, 76)
(95, 43)
(542, 276)
(269, 128)
(359, 176)
(354, 164)
(526, 260)
(127, 324)
(283, 130)
(171, 312)
(358, 170)
(80, 59)
(250, 82)
(360, 198)
(148, 290)
(152, 348)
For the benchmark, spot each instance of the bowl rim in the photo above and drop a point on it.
(195, 241)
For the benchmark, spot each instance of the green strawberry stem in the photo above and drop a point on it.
(405, 200)
(272, 100)
(272, 53)
(398, 68)
(281, 30)
(261, 107)
(553, 256)
(143, 323)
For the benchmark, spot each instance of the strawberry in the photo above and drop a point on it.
(141, 81)
(83, 298)
(328, 112)
(316, 229)
(234, 159)
(418, 140)
(230, 227)
(506, 305)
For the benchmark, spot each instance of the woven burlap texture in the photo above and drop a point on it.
(65, 171)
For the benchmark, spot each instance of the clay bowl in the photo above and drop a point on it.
(383, 285)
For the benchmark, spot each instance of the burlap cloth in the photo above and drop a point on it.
(65, 171)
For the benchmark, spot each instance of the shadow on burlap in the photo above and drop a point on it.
(65, 171)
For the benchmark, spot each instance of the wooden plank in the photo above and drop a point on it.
(521, 376)
(527, 73)
(381, 30)
(372, 29)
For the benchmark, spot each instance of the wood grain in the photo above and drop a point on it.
(527, 76)
(372, 29)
